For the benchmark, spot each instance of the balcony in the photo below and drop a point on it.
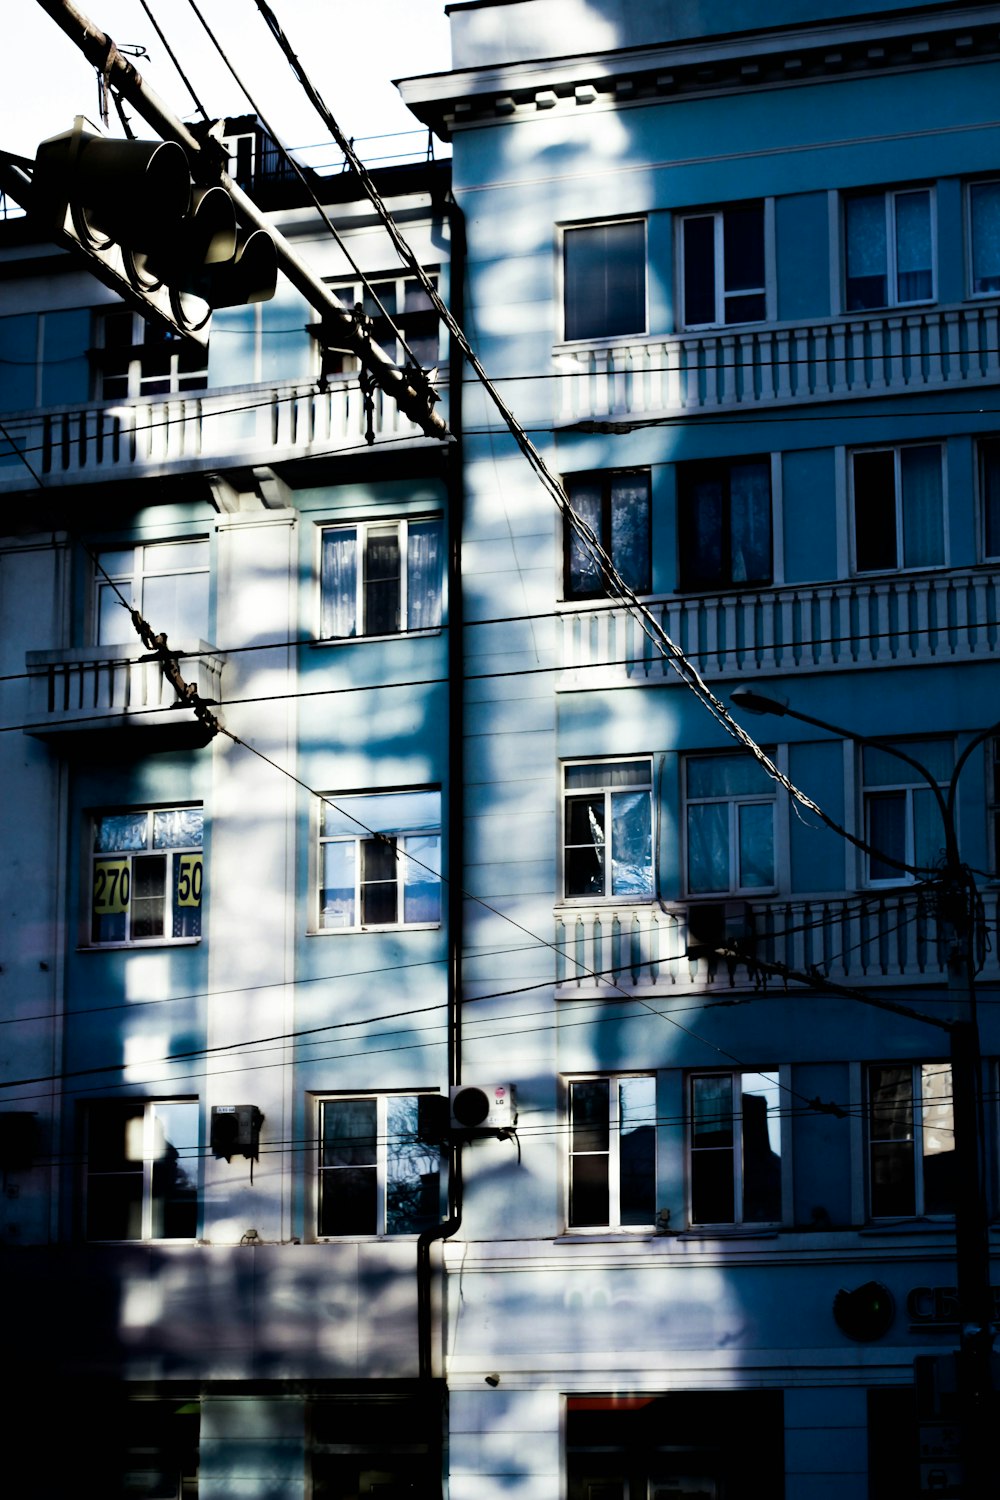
(86, 690)
(824, 360)
(882, 939)
(172, 434)
(902, 620)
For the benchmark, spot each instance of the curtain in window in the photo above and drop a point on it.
(750, 523)
(923, 521)
(914, 273)
(584, 569)
(630, 529)
(984, 201)
(423, 562)
(866, 252)
(631, 844)
(339, 582)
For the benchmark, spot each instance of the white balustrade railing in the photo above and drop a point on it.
(874, 938)
(821, 360)
(85, 687)
(953, 616)
(140, 436)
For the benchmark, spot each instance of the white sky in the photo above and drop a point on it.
(351, 49)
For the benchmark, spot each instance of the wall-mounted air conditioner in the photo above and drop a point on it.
(484, 1106)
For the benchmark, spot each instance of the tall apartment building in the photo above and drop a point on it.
(736, 269)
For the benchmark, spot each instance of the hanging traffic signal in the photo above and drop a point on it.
(169, 248)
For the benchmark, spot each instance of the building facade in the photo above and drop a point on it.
(738, 281)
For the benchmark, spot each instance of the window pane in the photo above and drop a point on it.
(177, 605)
(175, 1170)
(589, 1195)
(712, 1189)
(382, 580)
(149, 886)
(743, 237)
(726, 776)
(585, 846)
(421, 877)
(708, 847)
(923, 520)
(631, 844)
(336, 898)
(702, 502)
(120, 831)
(413, 1189)
(756, 845)
(886, 834)
(378, 882)
(589, 1106)
(884, 769)
(866, 252)
(761, 1127)
(609, 773)
(349, 1201)
(699, 271)
(892, 1190)
(928, 829)
(349, 1131)
(382, 812)
(584, 571)
(114, 1207)
(990, 453)
(637, 1150)
(984, 205)
(605, 271)
(937, 1138)
(180, 828)
(339, 582)
(875, 511)
(712, 1110)
(913, 246)
(630, 542)
(423, 581)
(750, 523)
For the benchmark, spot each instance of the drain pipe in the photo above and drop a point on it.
(453, 458)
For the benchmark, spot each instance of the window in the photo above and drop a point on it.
(136, 358)
(608, 826)
(142, 1170)
(724, 512)
(722, 266)
(381, 577)
(380, 860)
(167, 582)
(902, 820)
(989, 494)
(984, 237)
(376, 1174)
(160, 1446)
(898, 508)
(729, 823)
(911, 1140)
(993, 801)
(890, 256)
(382, 1445)
(616, 508)
(147, 876)
(407, 310)
(612, 1160)
(735, 1148)
(604, 280)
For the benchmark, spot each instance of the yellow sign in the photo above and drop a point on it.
(111, 886)
(189, 878)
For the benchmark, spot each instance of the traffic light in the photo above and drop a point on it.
(169, 248)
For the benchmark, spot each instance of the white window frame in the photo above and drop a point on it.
(970, 189)
(139, 381)
(613, 1154)
(108, 870)
(610, 482)
(341, 802)
(889, 197)
(920, 1106)
(148, 1142)
(130, 582)
(734, 802)
(599, 787)
(722, 297)
(362, 529)
(901, 565)
(781, 1077)
(380, 1167)
(908, 782)
(353, 292)
(594, 224)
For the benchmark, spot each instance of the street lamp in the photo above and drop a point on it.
(958, 907)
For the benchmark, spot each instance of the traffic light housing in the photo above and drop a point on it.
(169, 248)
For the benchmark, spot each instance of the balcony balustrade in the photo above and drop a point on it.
(822, 360)
(909, 618)
(887, 938)
(106, 687)
(253, 425)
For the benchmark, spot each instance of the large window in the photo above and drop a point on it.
(889, 249)
(141, 1170)
(902, 819)
(989, 496)
(376, 1174)
(380, 860)
(604, 280)
(383, 1445)
(167, 582)
(612, 1153)
(608, 829)
(911, 1140)
(136, 358)
(146, 876)
(898, 508)
(160, 1440)
(993, 801)
(984, 237)
(723, 266)
(402, 308)
(729, 825)
(616, 507)
(735, 1148)
(725, 523)
(381, 577)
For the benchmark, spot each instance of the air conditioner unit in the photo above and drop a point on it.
(715, 925)
(235, 1131)
(485, 1106)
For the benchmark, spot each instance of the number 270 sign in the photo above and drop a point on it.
(113, 883)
